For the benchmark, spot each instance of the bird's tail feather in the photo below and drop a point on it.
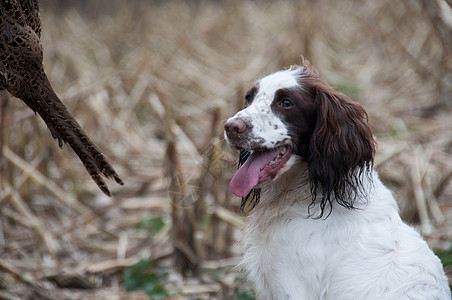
(65, 128)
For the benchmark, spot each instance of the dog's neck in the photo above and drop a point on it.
(291, 191)
(278, 196)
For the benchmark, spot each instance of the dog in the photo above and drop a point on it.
(322, 224)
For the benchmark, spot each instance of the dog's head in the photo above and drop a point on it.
(292, 115)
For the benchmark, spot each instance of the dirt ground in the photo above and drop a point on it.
(152, 83)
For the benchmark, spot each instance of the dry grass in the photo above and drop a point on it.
(152, 85)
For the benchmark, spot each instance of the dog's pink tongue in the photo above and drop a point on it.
(248, 175)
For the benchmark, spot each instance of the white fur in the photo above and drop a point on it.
(363, 253)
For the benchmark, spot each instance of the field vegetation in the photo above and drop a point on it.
(152, 83)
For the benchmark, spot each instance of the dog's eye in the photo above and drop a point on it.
(286, 103)
(248, 99)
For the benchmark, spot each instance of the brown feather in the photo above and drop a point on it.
(22, 74)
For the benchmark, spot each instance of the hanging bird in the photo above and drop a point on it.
(22, 75)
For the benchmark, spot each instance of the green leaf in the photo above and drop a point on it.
(445, 256)
(142, 276)
(153, 224)
(245, 295)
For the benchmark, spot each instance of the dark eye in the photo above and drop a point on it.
(248, 99)
(249, 96)
(286, 103)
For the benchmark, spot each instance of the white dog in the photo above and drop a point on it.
(323, 226)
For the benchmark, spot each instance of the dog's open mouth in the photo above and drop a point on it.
(261, 166)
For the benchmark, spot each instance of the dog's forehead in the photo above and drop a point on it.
(273, 82)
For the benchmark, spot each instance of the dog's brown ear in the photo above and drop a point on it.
(341, 149)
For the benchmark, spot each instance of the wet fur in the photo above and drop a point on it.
(326, 227)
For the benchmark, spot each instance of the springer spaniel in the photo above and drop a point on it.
(322, 225)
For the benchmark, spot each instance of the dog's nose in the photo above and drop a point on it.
(234, 127)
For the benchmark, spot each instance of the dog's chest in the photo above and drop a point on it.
(284, 255)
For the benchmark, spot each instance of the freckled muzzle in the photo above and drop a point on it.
(263, 165)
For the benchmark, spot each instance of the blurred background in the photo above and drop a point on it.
(152, 83)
